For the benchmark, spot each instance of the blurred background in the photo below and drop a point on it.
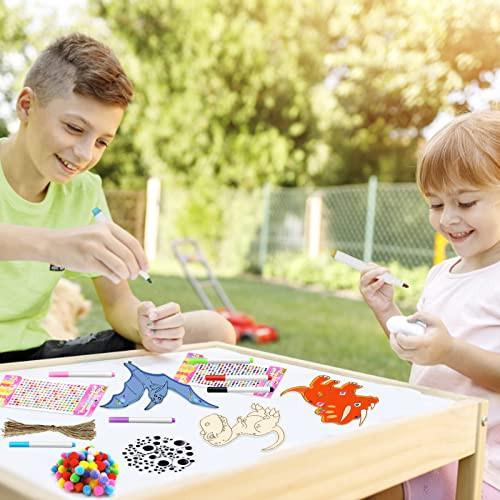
(271, 131)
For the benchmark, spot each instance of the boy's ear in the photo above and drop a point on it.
(24, 104)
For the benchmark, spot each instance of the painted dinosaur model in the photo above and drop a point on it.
(336, 404)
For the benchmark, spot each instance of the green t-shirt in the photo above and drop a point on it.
(26, 287)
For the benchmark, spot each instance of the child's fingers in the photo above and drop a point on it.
(169, 334)
(428, 319)
(408, 342)
(375, 286)
(132, 245)
(164, 311)
(145, 308)
(174, 321)
(393, 341)
(371, 275)
(166, 345)
(110, 272)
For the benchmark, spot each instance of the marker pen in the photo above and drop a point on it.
(41, 444)
(205, 361)
(361, 265)
(100, 217)
(141, 420)
(81, 374)
(240, 389)
(223, 378)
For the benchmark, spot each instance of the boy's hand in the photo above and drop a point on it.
(103, 248)
(432, 348)
(376, 293)
(161, 328)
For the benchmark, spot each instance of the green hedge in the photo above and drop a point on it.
(323, 271)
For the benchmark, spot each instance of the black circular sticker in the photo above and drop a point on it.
(159, 454)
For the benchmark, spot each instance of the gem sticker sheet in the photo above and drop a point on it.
(195, 374)
(43, 395)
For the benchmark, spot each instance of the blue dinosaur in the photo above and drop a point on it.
(157, 385)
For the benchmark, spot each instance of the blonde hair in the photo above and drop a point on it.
(466, 151)
(78, 63)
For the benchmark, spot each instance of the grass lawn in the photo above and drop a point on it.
(312, 326)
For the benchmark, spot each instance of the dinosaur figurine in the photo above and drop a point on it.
(338, 405)
(157, 385)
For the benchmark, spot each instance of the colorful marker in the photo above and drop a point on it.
(141, 420)
(41, 444)
(240, 389)
(205, 361)
(81, 374)
(223, 378)
(100, 217)
(361, 265)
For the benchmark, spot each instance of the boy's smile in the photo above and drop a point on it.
(58, 140)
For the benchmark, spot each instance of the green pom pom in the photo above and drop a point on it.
(74, 478)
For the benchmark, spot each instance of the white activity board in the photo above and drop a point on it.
(159, 457)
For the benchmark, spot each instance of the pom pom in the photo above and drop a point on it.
(69, 486)
(98, 491)
(83, 472)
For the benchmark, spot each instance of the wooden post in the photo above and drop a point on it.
(370, 218)
(153, 200)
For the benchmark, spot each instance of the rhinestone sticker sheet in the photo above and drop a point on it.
(43, 395)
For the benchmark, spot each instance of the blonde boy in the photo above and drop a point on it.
(69, 111)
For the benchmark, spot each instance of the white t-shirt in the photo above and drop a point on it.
(469, 306)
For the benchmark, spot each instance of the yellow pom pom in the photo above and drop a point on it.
(61, 482)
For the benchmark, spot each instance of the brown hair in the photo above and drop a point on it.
(80, 64)
(466, 151)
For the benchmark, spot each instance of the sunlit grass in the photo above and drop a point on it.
(312, 326)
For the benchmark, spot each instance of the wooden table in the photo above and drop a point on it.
(357, 465)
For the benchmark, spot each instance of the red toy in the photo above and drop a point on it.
(245, 326)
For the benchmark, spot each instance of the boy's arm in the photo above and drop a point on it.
(158, 329)
(120, 307)
(105, 248)
(24, 243)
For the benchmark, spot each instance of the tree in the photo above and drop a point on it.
(223, 85)
(12, 41)
(294, 92)
(392, 66)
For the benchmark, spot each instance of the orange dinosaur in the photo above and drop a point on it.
(338, 405)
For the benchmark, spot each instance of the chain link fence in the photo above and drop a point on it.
(381, 222)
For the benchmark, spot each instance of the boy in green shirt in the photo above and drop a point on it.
(69, 110)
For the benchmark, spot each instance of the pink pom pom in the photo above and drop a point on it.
(98, 491)
(68, 485)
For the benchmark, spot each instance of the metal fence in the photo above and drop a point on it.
(381, 222)
(376, 221)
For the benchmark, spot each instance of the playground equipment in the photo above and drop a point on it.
(189, 254)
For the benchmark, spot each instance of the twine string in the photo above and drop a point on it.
(85, 430)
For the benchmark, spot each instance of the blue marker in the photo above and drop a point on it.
(100, 217)
(41, 444)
